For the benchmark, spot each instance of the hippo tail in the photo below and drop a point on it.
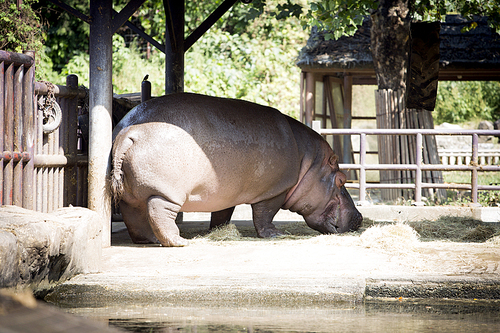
(120, 147)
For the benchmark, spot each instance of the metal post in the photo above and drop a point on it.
(2, 122)
(29, 133)
(145, 91)
(174, 46)
(100, 104)
(70, 173)
(418, 173)
(474, 163)
(362, 172)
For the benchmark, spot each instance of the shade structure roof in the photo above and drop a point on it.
(471, 55)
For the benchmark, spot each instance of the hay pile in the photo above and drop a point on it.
(372, 234)
(455, 229)
(397, 237)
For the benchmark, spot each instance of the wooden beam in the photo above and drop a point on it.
(120, 18)
(309, 96)
(72, 11)
(208, 23)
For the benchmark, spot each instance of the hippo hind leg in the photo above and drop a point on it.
(221, 217)
(162, 214)
(136, 220)
(263, 213)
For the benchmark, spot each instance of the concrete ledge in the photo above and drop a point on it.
(469, 288)
(376, 213)
(411, 214)
(39, 250)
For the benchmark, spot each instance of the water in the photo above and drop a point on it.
(394, 316)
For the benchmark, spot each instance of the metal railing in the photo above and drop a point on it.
(474, 166)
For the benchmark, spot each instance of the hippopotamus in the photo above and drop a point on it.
(187, 152)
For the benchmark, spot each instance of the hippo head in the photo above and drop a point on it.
(321, 198)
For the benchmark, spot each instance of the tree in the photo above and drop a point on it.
(391, 26)
(390, 43)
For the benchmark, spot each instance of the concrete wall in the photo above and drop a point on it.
(39, 250)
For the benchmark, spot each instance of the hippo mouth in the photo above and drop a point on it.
(330, 218)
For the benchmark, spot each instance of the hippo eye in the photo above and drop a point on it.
(340, 179)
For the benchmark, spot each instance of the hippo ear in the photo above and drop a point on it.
(333, 162)
(340, 179)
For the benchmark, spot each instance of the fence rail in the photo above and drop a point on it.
(474, 166)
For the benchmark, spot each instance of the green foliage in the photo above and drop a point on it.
(462, 101)
(257, 65)
(19, 27)
(66, 36)
(341, 17)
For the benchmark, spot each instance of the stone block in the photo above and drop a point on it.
(39, 250)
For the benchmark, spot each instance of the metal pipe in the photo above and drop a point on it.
(2, 111)
(362, 170)
(60, 91)
(29, 134)
(145, 91)
(17, 190)
(8, 144)
(70, 138)
(16, 59)
(100, 104)
(379, 131)
(418, 172)
(474, 163)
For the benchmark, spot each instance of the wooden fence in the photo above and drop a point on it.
(41, 171)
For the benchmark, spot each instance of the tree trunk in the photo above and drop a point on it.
(390, 46)
(390, 43)
(390, 36)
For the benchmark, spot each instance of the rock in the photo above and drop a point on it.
(496, 126)
(452, 141)
(485, 125)
(39, 250)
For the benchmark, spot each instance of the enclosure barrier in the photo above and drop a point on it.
(463, 156)
(40, 171)
(474, 166)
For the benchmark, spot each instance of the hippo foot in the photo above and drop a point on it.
(270, 233)
(175, 241)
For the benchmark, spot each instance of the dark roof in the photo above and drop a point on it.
(473, 51)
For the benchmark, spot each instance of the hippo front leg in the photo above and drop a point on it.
(263, 213)
(162, 214)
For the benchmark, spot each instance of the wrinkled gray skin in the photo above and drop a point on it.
(194, 153)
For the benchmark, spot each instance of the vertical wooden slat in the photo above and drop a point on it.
(58, 150)
(70, 145)
(337, 147)
(2, 128)
(302, 108)
(17, 189)
(347, 99)
(40, 171)
(8, 144)
(29, 133)
(309, 96)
